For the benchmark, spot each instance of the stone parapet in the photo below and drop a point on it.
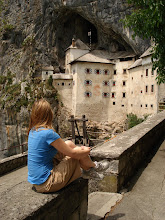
(127, 151)
(62, 76)
(10, 163)
(21, 202)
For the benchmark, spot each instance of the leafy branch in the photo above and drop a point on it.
(147, 20)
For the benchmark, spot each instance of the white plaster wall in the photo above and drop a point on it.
(142, 102)
(118, 105)
(96, 106)
(75, 87)
(46, 76)
(146, 60)
(64, 88)
(72, 54)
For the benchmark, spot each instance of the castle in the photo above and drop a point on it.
(107, 86)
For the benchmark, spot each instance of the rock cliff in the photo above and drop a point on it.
(35, 33)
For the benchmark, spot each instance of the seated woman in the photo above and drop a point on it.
(53, 163)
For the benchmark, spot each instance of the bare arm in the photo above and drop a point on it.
(76, 153)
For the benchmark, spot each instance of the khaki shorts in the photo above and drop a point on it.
(65, 171)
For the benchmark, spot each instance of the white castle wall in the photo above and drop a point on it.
(63, 84)
(127, 90)
(72, 54)
(95, 107)
(118, 105)
(143, 97)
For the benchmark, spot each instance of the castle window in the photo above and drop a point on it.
(141, 106)
(97, 71)
(151, 106)
(146, 72)
(114, 103)
(122, 105)
(114, 83)
(46, 73)
(141, 75)
(114, 72)
(88, 82)
(146, 88)
(141, 91)
(113, 95)
(63, 84)
(152, 72)
(106, 72)
(146, 105)
(88, 94)
(152, 88)
(124, 83)
(105, 83)
(124, 94)
(131, 105)
(88, 70)
(105, 94)
(124, 71)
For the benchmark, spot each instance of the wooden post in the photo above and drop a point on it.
(84, 130)
(73, 129)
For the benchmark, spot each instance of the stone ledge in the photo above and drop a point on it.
(127, 151)
(10, 163)
(21, 202)
(62, 76)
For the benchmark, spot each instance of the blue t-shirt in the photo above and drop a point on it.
(40, 154)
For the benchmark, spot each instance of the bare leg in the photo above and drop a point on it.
(85, 163)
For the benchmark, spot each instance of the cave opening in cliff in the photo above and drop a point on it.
(74, 25)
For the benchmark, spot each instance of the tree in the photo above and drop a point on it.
(147, 20)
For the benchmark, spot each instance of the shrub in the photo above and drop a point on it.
(3, 79)
(133, 120)
(50, 81)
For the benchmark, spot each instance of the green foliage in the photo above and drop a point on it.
(28, 89)
(29, 41)
(9, 78)
(3, 79)
(50, 81)
(12, 98)
(1, 6)
(133, 120)
(8, 27)
(23, 101)
(4, 23)
(148, 21)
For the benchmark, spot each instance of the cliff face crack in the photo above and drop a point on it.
(163, 183)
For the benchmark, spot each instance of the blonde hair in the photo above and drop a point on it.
(41, 115)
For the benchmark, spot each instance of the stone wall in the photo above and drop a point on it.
(21, 202)
(127, 152)
(10, 163)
